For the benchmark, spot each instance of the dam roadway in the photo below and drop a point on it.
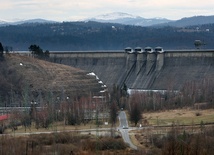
(168, 70)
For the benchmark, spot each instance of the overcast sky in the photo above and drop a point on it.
(67, 10)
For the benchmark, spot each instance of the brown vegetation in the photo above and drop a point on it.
(67, 143)
(183, 116)
(176, 122)
(27, 78)
(175, 140)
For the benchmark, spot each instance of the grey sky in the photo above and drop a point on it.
(66, 10)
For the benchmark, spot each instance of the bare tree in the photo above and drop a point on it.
(113, 113)
(135, 110)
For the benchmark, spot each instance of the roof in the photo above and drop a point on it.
(4, 117)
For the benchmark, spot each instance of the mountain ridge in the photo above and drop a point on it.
(127, 19)
(32, 21)
(190, 21)
(81, 36)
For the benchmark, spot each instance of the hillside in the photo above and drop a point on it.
(24, 77)
(190, 21)
(81, 36)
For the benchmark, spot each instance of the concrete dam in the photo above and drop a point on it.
(170, 69)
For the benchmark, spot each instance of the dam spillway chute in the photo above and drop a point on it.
(131, 59)
(141, 59)
(151, 60)
(160, 58)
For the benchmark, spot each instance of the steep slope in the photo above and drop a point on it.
(40, 78)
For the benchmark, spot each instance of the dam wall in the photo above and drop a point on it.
(110, 67)
(140, 70)
(181, 67)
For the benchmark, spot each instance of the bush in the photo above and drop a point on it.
(113, 144)
(157, 141)
(104, 144)
(67, 149)
(59, 143)
(198, 114)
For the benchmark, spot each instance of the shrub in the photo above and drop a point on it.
(198, 114)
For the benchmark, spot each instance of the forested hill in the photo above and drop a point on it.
(102, 36)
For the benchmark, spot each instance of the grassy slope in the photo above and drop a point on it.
(44, 76)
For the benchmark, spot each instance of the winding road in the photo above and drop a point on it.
(124, 129)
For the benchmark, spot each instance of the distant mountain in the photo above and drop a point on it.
(34, 21)
(30, 21)
(127, 19)
(115, 16)
(3, 22)
(190, 21)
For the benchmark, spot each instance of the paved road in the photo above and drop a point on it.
(125, 132)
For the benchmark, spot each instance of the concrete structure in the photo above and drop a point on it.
(143, 70)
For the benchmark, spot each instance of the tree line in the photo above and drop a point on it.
(80, 110)
(101, 36)
(193, 94)
(36, 50)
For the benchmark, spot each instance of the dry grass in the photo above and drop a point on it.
(165, 119)
(59, 126)
(63, 143)
(46, 76)
(180, 116)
